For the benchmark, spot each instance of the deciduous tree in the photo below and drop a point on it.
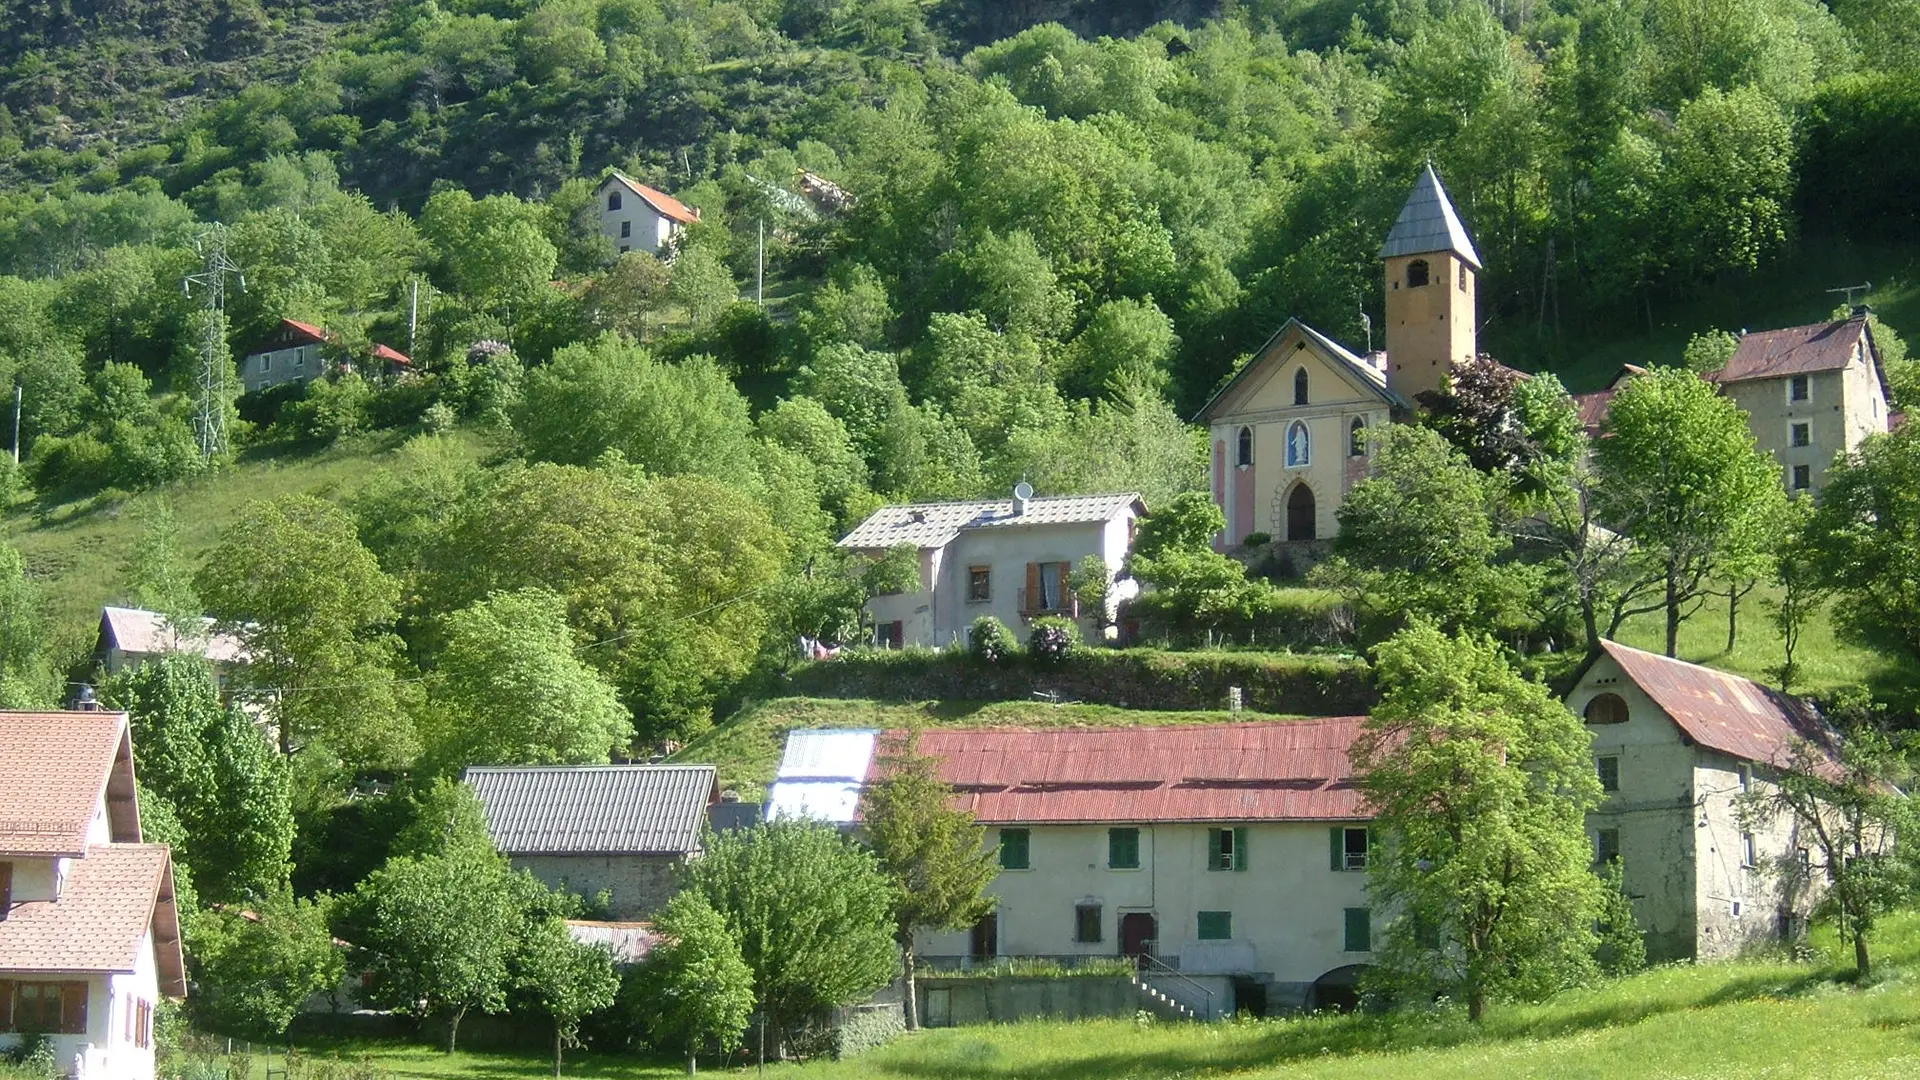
(1863, 541)
(256, 968)
(565, 978)
(695, 990)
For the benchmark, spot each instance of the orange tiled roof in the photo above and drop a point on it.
(54, 770)
(666, 205)
(112, 897)
(388, 352)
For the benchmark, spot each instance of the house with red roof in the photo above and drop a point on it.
(1675, 744)
(296, 352)
(1811, 393)
(635, 217)
(1232, 854)
(89, 933)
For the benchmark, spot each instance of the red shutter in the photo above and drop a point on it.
(6, 1004)
(73, 1008)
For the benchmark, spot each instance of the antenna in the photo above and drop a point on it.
(1849, 290)
(216, 366)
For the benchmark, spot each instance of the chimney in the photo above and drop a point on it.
(85, 701)
(1022, 494)
(1861, 311)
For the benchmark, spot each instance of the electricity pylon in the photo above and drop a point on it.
(216, 366)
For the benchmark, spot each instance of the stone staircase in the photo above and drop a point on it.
(1159, 1003)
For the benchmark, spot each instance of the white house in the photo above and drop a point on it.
(1233, 855)
(619, 829)
(1009, 558)
(130, 637)
(635, 217)
(89, 934)
(1675, 744)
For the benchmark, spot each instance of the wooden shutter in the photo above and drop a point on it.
(6, 1004)
(1240, 849)
(6, 888)
(73, 1008)
(1337, 848)
(1034, 596)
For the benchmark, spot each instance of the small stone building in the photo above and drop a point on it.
(619, 829)
(1675, 745)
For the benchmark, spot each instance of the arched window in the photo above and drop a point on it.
(1300, 387)
(1607, 709)
(1416, 273)
(1357, 437)
(1299, 445)
(1243, 455)
(1301, 522)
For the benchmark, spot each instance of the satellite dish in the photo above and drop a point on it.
(1023, 490)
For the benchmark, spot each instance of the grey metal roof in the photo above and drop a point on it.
(595, 809)
(1428, 223)
(932, 525)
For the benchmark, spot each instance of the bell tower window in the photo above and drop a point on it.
(1417, 273)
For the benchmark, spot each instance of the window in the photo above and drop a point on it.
(1746, 776)
(1800, 433)
(1609, 769)
(1299, 445)
(1123, 849)
(1013, 850)
(1607, 709)
(1359, 930)
(626, 229)
(1046, 587)
(979, 584)
(613, 200)
(1417, 273)
(299, 358)
(6, 888)
(624, 248)
(1086, 923)
(890, 635)
(1216, 925)
(1749, 854)
(1349, 847)
(1357, 437)
(1300, 387)
(1606, 846)
(1243, 451)
(1802, 477)
(1736, 909)
(1800, 388)
(46, 1008)
(266, 361)
(1226, 849)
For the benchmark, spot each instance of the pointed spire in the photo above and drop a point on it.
(1428, 223)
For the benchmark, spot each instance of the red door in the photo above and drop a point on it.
(1137, 933)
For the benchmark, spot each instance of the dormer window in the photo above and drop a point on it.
(1243, 453)
(1417, 273)
(1300, 387)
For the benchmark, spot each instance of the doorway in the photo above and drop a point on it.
(1137, 933)
(983, 943)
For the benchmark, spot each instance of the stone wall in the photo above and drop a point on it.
(637, 885)
(952, 1002)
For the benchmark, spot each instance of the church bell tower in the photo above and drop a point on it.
(1431, 270)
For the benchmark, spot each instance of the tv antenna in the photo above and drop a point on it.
(1849, 290)
(216, 365)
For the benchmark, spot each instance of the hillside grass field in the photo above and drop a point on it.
(1769, 1018)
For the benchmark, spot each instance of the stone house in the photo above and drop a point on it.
(1234, 854)
(1288, 431)
(1811, 394)
(1007, 558)
(297, 352)
(1675, 745)
(130, 637)
(635, 217)
(89, 932)
(622, 830)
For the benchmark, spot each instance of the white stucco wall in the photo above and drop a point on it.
(1288, 907)
(648, 231)
(105, 1051)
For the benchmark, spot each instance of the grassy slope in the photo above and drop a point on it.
(78, 551)
(1762, 1018)
(747, 746)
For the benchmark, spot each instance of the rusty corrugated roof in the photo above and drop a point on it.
(1269, 771)
(1794, 350)
(1721, 711)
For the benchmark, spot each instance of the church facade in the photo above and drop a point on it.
(1288, 431)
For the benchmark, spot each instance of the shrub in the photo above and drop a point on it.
(402, 402)
(332, 409)
(261, 408)
(1052, 638)
(439, 418)
(989, 640)
(1256, 539)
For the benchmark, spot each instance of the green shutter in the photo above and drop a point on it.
(1337, 848)
(1215, 925)
(1123, 849)
(1239, 849)
(1013, 849)
(1213, 849)
(1359, 935)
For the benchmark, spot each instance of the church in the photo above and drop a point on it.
(1288, 431)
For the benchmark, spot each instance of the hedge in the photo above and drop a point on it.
(1282, 683)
